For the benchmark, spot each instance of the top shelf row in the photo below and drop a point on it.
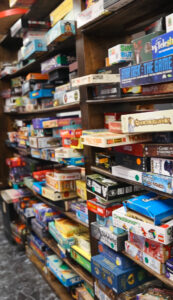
(107, 21)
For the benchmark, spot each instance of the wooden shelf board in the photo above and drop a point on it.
(57, 287)
(128, 99)
(108, 174)
(72, 264)
(65, 47)
(161, 277)
(53, 204)
(125, 21)
(71, 106)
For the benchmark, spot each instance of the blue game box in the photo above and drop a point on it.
(149, 72)
(153, 206)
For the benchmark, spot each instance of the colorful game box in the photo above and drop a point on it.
(157, 121)
(162, 45)
(133, 162)
(115, 278)
(81, 257)
(150, 72)
(153, 206)
(158, 182)
(60, 32)
(120, 53)
(133, 251)
(161, 234)
(162, 166)
(161, 150)
(105, 235)
(35, 49)
(127, 173)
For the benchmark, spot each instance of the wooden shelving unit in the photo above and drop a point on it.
(73, 106)
(108, 174)
(61, 292)
(71, 263)
(163, 278)
(54, 205)
(90, 45)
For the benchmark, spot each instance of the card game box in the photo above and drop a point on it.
(162, 166)
(161, 150)
(133, 251)
(60, 32)
(105, 235)
(156, 121)
(93, 79)
(153, 206)
(106, 188)
(142, 47)
(162, 234)
(118, 259)
(112, 276)
(133, 162)
(120, 53)
(108, 139)
(162, 45)
(105, 161)
(81, 257)
(150, 72)
(126, 173)
(35, 49)
(102, 210)
(157, 89)
(158, 182)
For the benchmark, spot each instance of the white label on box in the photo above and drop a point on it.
(90, 13)
(127, 173)
(157, 121)
(95, 79)
(72, 96)
(161, 234)
(153, 264)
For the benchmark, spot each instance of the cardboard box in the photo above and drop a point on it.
(61, 11)
(60, 32)
(162, 137)
(153, 264)
(158, 182)
(157, 89)
(120, 53)
(53, 63)
(43, 93)
(71, 97)
(39, 122)
(102, 210)
(136, 149)
(66, 153)
(93, 79)
(35, 49)
(60, 186)
(36, 153)
(105, 235)
(65, 242)
(161, 234)
(169, 23)
(91, 13)
(133, 162)
(108, 139)
(104, 161)
(62, 122)
(159, 150)
(106, 188)
(118, 259)
(43, 142)
(37, 76)
(151, 72)
(162, 45)
(107, 91)
(115, 127)
(158, 251)
(169, 269)
(142, 47)
(133, 251)
(22, 26)
(53, 195)
(157, 121)
(81, 189)
(153, 206)
(73, 133)
(162, 166)
(115, 278)
(83, 294)
(103, 292)
(127, 173)
(80, 257)
(61, 271)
